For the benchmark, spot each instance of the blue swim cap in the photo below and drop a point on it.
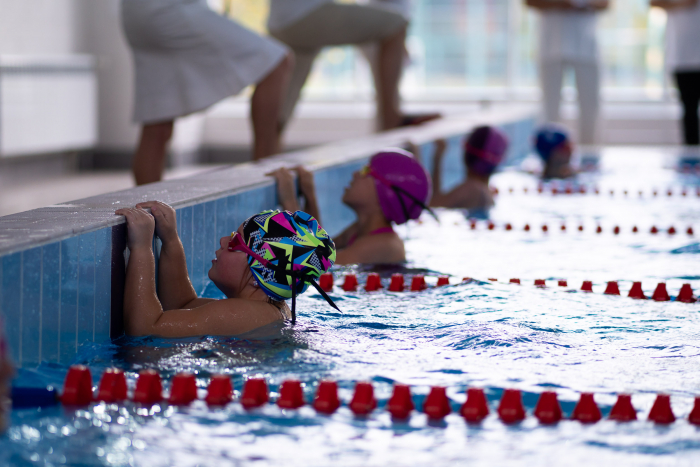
(548, 138)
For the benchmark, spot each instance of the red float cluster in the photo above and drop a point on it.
(436, 405)
(397, 284)
(616, 230)
(571, 189)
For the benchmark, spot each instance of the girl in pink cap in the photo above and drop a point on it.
(483, 152)
(391, 189)
(6, 373)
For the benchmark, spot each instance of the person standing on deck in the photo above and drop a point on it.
(568, 40)
(188, 58)
(307, 26)
(683, 59)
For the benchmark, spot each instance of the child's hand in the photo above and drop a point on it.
(306, 182)
(166, 221)
(286, 191)
(140, 226)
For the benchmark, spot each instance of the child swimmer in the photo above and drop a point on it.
(483, 152)
(271, 257)
(554, 147)
(392, 189)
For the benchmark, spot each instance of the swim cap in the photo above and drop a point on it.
(296, 251)
(403, 185)
(485, 149)
(548, 138)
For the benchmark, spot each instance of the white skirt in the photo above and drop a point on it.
(187, 57)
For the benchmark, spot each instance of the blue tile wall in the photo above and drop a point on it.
(185, 231)
(31, 307)
(103, 284)
(50, 302)
(330, 185)
(199, 242)
(68, 334)
(86, 288)
(12, 302)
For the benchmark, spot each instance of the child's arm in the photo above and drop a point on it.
(439, 198)
(174, 286)
(286, 191)
(141, 304)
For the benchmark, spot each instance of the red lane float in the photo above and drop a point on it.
(511, 409)
(397, 283)
(443, 280)
(77, 388)
(686, 294)
(220, 391)
(586, 410)
(350, 284)
(612, 288)
(363, 401)
(636, 291)
(183, 389)
(400, 405)
(660, 293)
(475, 408)
(548, 410)
(326, 282)
(112, 386)
(291, 395)
(694, 416)
(374, 282)
(661, 412)
(623, 410)
(562, 283)
(326, 400)
(418, 283)
(149, 388)
(540, 283)
(436, 405)
(587, 286)
(515, 281)
(255, 393)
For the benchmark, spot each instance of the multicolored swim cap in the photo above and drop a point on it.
(548, 138)
(296, 248)
(484, 150)
(403, 186)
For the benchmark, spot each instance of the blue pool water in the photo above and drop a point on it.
(483, 333)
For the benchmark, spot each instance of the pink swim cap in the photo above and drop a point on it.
(403, 185)
(484, 150)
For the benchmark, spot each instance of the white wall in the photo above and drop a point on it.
(39, 27)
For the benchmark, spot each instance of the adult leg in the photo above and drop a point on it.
(265, 108)
(588, 87)
(149, 159)
(389, 68)
(303, 61)
(551, 76)
(688, 83)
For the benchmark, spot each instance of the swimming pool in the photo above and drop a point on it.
(482, 333)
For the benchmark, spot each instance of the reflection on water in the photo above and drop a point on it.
(494, 335)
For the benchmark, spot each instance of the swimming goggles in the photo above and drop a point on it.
(237, 244)
(367, 170)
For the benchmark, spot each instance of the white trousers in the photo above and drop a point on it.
(588, 86)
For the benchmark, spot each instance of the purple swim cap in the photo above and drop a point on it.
(484, 150)
(403, 185)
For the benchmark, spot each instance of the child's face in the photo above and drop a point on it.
(361, 192)
(562, 154)
(228, 269)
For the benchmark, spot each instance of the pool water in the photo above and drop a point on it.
(480, 333)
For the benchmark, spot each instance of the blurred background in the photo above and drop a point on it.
(66, 88)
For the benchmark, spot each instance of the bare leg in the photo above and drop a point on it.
(149, 159)
(265, 108)
(391, 53)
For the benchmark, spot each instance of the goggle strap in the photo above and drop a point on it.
(414, 199)
(294, 300)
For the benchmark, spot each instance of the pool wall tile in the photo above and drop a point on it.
(31, 306)
(118, 274)
(51, 302)
(86, 289)
(223, 225)
(211, 241)
(199, 241)
(186, 234)
(70, 254)
(11, 302)
(103, 284)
